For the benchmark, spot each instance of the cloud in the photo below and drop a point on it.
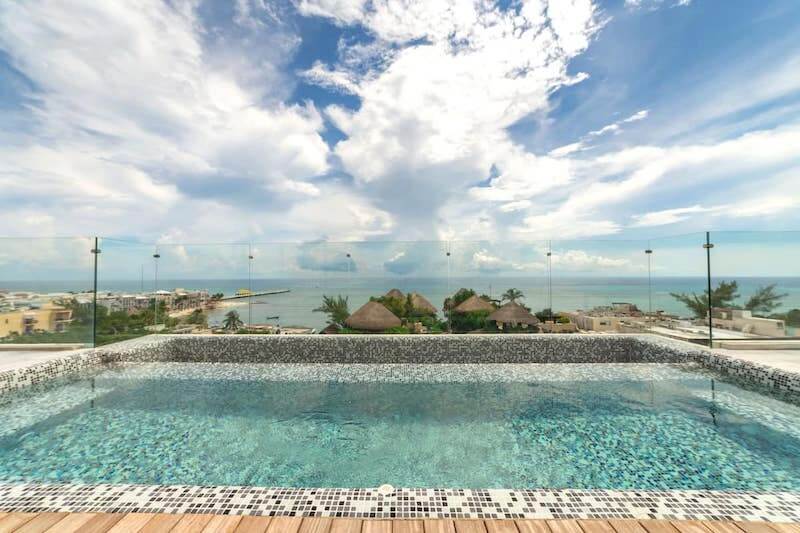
(401, 264)
(319, 257)
(134, 104)
(667, 216)
(655, 4)
(582, 260)
(418, 109)
(342, 11)
(616, 127)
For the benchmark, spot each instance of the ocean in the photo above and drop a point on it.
(295, 308)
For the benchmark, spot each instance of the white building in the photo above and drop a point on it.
(744, 321)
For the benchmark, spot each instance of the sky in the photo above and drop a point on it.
(320, 121)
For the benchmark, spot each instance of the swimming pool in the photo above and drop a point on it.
(580, 426)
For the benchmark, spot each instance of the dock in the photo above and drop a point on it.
(252, 294)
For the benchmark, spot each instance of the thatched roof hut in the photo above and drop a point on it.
(330, 329)
(372, 316)
(421, 304)
(473, 303)
(395, 293)
(514, 314)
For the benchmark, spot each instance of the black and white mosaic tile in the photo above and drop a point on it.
(401, 350)
(403, 503)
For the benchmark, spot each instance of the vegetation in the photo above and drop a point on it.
(232, 322)
(764, 301)
(512, 295)
(723, 296)
(197, 317)
(791, 318)
(465, 322)
(336, 308)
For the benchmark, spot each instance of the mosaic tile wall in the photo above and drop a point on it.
(403, 503)
(398, 349)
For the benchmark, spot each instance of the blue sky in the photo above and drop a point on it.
(378, 120)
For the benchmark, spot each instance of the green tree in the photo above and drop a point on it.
(232, 322)
(512, 295)
(336, 308)
(197, 316)
(451, 302)
(723, 296)
(765, 300)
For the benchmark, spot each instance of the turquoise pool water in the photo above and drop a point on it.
(610, 426)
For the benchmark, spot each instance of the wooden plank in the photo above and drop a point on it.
(722, 527)
(284, 524)
(469, 526)
(102, 522)
(657, 526)
(532, 526)
(71, 523)
(376, 526)
(756, 527)
(501, 526)
(223, 524)
(346, 525)
(253, 524)
(131, 523)
(689, 526)
(12, 521)
(315, 524)
(784, 527)
(41, 522)
(408, 526)
(439, 526)
(627, 526)
(191, 523)
(564, 526)
(597, 526)
(160, 523)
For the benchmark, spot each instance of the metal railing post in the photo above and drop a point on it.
(708, 246)
(95, 253)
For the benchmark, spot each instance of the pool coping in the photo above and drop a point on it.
(403, 503)
(771, 506)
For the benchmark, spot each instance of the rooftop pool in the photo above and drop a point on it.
(548, 425)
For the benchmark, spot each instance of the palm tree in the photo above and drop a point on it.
(512, 295)
(232, 321)
(336, 309)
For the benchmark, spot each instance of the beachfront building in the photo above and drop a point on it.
(129, 303)
(49, 317)
(744, 321)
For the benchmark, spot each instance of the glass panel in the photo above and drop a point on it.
(46, 292)
(499, 272)
(679, 282)
(757, 287)
(125, 283)
(600, 286)
(364, 271)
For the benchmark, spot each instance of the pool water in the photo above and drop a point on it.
(615, 426)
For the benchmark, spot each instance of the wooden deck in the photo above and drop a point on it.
(151, 523)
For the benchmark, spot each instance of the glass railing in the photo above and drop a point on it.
(49, 293)
(46, 292)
